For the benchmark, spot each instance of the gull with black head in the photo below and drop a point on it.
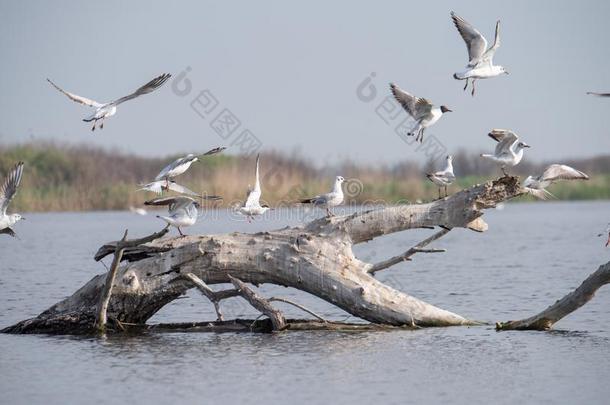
(421, 110)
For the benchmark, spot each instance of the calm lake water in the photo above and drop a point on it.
(532, 255)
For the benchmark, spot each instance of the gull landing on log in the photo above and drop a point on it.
(106, 110)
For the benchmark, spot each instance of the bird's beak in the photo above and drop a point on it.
(525, 145)
(23, 218)
(506, 71)
(448, 110)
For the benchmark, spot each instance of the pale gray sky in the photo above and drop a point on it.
(289, 72)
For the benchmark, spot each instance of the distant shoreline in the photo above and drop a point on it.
(68, 178)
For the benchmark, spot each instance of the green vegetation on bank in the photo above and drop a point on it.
(77, 178)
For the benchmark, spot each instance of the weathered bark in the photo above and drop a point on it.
(568, 304)
(316, 258)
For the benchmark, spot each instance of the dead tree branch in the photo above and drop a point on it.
(301, 307)
(407, 255)
(261, 304)
(214, 296)
(568, 304)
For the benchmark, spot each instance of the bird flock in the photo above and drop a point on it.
(183, 209)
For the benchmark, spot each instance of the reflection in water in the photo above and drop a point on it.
(511, 271)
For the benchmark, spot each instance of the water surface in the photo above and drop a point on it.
(532, 255)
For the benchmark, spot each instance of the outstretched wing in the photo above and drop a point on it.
(74, 97)
(173, 202)
(489, 54)
(181, 189)
(599, 94)
(475, 42)
(8, 231)
(505, 139)
(540, 194)
(416, 107)
(254, 195)
(173, 165)
(562, 172)
(9, 188)
(214, 151)
(147, 88)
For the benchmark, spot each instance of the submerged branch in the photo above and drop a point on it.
(568, 304)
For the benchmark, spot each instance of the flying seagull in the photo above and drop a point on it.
(608, 233)
(509, 150)
(105, 110)
(7, 192)
(422, 110)
(599, 94)
(182, 210)
(480, 58)
(159, 186)
(252, 206)
(536, 186)
(328, 200)
(444, 177)
(181, 165)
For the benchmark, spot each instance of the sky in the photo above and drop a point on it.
(309, 77)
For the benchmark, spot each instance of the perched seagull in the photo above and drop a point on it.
(536, 186)
(159, 186)
(599, 94)
(328, 200)
(252, 205)
(509, 150)
(182, 210)
(105, 110)
(608, 233)
(7, 192)
(480, 58)
(422, 110)
(444, 177)
(181, 165)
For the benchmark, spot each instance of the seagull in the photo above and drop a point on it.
(607, 232)
(328, 200)
(480, 58)
(252, 205)
(105, 110)
(536, 186)
(422, 110)
(509, 150)
(181, 165)
(159, 186)
(182, 210)
(444, 177)
(7, 192)
(598, 94)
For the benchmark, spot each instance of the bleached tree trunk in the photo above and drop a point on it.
(316, 258)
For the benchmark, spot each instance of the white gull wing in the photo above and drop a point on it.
(562, 172)
(181, 189)
(181, 164)
(254, 195)
(475, 41)
(9, 188)
(147, 88)
(417, 107)
(541, 194)
(175, 203)
(76, 98)
(505, 139)
(489, 54)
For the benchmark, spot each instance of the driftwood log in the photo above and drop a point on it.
(316, 258)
